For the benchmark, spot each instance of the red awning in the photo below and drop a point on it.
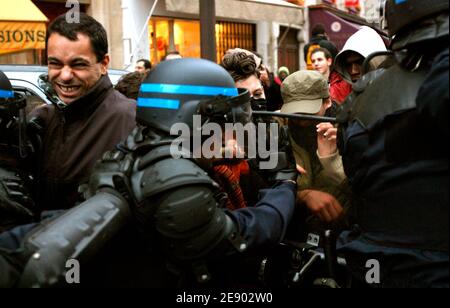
(338, 24)
(337, 28)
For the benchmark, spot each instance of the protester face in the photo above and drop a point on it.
(253, 85)
(283, 76)
(353, 64)
(73, 67)
(321, 63)
(140, 67)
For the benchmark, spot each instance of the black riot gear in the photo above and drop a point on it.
(12, 117)
(413, 21)
(184, 232)
(173, 202)
(393, 158)
(15, 200)
(5, 87)
(402, 15)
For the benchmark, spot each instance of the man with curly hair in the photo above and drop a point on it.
(243, 68)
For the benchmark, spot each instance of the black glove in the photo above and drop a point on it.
(16, 204)
(111, 173)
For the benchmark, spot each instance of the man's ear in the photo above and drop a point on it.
(105, 64)
(330, 62)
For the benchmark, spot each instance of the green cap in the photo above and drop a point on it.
(303, 92)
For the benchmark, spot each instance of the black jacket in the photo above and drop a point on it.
(75, 137)
(399, 170)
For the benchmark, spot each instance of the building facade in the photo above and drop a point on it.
(152, 28)
(274, 29)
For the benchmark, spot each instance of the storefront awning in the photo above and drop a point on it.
(245, 10)
(22, 26)
(338, 29)
(339, 25)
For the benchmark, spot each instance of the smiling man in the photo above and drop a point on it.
(91, 118)
(73, 66)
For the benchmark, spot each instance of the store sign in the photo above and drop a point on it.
(15, 36)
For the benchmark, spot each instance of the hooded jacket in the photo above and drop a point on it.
(365, 42)
(75, 137)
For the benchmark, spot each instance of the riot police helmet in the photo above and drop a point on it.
(10, 101)
(12, 116)
(406, 16)
(6, 91)
(177, 90)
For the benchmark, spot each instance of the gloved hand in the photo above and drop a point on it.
(111, 173)
(16, 204)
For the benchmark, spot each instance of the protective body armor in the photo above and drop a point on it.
(175, 198)
(79, 234)
(15, 202)
(173, 202)
(180, 198)
(16, 205)
(395, 166)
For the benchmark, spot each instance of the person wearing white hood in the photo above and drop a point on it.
(349, 61)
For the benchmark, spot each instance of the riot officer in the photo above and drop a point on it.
(15, 201)
(16, 204)
(178, 198)
(394, 156)
(178, 207)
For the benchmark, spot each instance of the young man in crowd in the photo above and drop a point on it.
(348, 63)
(91, 117)
(143, 66)
(320, 186)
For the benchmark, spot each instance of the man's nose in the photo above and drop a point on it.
(355, 69)
(66, 73)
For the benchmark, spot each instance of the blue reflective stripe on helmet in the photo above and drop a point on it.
(158, 103)
(6, 94)
(187, 90)
(399, 1)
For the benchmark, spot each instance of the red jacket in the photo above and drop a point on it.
(339, 88)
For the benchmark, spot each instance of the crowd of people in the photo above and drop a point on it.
(98, 167)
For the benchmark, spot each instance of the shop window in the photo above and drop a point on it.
(170, 35)
(234, 35)
(184, 36)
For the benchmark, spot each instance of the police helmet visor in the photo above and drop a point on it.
(224, 110)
